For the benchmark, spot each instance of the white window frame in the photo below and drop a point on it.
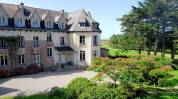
(36, 41)
(49, 52)
(62, 25)
(36, 57)
(21, 42)
(82, 39)
(21, 59)
(95, 54)
(19, 22)
(35, 23)
(2, 21)
(5, 61)
(49, 37)
(95, 40)
(82, 55)
(49, 24)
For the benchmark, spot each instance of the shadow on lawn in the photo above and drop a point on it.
(4, 90)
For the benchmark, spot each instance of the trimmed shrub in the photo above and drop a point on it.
(103, 92)
(76, 87)
(4, 73)
(19, 71)
(56, 91)
(33, 69)
(157, 73)
(167, 83)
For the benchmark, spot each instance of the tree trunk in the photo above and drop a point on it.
(163, 39)
(156, 45)
(172, 53)
(140, 49)
(149, 45)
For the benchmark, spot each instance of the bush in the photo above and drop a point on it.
(33, 69)
(98, 92)
(157, 73)
(167, 83)
(76, 87)
(4, 73)
(19, 71)
(56, 91)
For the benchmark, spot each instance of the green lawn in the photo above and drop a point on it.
(114, 52)
(31, 97)
(175, 73)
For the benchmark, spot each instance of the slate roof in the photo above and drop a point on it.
(73, 18)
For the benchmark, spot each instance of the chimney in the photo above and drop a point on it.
(21, 5)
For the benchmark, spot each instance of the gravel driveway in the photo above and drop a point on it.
(42, 82)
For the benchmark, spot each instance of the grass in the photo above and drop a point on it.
(39, 96)
(175, 73)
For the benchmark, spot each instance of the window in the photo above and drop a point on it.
(21, 59)
(49, 37)
(36, 41)
(82, 55)
(49, 51)
(82, 24)
(82, 40)
(49, 24)
(35, 23)
(21, 42)
(3, 61)
(2, 21)
(95, 40)
(94, 53)
(96, 26)
(36, 57)
(3, 43)
(62, 43)
(19, 22)
(62, 26)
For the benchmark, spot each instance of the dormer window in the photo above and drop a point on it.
(2, 21)
(62, 26)
(82, 24)
(96, 25)
(19, 22)
(35, 23)
(49, 24)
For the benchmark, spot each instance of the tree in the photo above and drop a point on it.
(156, 18)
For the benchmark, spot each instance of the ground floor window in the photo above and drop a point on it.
(49, 51)
(94, 53)
(21, 59)
(3, 61)
(36, 57)
(82, 55)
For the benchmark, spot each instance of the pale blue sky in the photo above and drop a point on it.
(104, 11)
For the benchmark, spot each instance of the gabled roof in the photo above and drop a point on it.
(2, 8)
(33, 13)
(73, 18)
(60, 16)
(48, 14)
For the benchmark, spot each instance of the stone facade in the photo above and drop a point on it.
(61, 37)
